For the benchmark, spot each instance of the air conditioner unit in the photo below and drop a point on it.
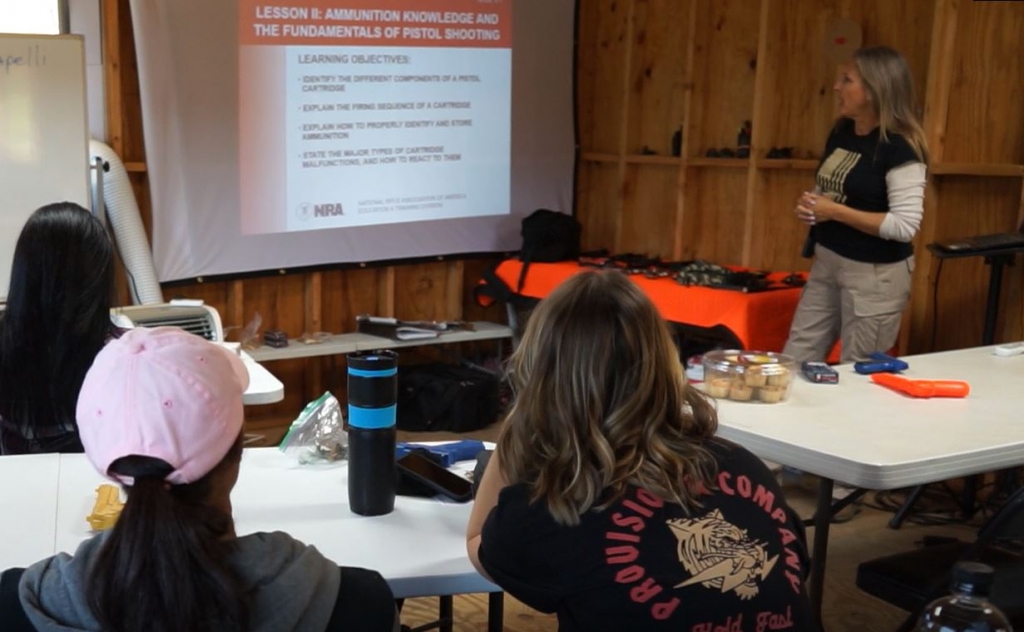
(201, 320)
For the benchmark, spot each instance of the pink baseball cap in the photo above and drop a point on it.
(165, 393)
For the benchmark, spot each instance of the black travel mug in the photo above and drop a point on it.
(372, 402)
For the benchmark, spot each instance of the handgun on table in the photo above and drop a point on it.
(922, 388)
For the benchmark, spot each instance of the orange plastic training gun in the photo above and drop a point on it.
(922, 388)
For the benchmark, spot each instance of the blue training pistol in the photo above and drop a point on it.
(448, 453)
(880, 363)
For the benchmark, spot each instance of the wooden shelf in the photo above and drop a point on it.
(591, 156)
(977, 169)
(787, 163)
(342, 344)
(632, 159)
(727, 163)
(135, 167)
(653, 159)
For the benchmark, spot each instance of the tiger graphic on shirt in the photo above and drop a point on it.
(720, 555)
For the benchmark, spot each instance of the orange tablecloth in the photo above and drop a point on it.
(760, 320)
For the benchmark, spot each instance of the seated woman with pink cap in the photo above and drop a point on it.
(160, 412)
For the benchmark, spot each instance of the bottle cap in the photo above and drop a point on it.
(377, 361)
(372, 389)
(973, 578)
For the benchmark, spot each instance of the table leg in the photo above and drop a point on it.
(906, 507)
(822, 522)
(969, 498)
(447, 614)
(495, 611)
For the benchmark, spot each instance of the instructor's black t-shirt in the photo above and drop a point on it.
(735, 564)
(853, 173)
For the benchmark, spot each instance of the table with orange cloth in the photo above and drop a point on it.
(759, 320)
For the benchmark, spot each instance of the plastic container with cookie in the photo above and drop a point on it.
(748, 376)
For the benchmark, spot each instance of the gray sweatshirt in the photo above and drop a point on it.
(293, 586)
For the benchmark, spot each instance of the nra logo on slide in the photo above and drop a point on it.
(307, 210)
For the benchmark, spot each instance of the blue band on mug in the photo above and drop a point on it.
(379, 373)
(371, 418)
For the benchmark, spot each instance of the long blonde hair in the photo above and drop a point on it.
(601, 403)
(886, 77)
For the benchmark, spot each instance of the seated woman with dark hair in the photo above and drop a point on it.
(610, 501)
(160, 412)
(56, 320)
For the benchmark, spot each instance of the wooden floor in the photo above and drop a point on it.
(846, 609)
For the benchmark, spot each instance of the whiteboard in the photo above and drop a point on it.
(44, 138)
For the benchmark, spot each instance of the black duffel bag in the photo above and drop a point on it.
(448, 397)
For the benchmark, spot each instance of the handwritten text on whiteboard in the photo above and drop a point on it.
(32, 57)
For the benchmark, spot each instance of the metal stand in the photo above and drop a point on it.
(995, 284)
(99, 209)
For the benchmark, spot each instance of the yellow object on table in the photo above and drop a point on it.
(107, 508)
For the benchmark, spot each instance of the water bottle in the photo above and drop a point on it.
(372, 401)
(967, 609)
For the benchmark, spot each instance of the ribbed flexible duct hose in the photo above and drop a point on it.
(129, 233)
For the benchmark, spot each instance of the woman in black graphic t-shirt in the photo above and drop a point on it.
(610, 501)
(864, 211)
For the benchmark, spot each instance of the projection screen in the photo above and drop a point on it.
(317, 132)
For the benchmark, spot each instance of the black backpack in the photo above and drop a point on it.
(548, 236)
(449, 397)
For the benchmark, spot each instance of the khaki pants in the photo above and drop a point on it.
(858, 303)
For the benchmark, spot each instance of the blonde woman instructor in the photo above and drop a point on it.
(863, 214)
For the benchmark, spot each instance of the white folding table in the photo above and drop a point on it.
(264, 388)
(868, 436)
(28, 486)
(854, 432)
(420, 548)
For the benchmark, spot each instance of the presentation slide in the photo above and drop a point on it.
(378, 112)
(299, 133)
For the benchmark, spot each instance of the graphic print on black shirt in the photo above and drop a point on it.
(713, 554)
(735, 564)
(853, 173)
(833, 171)
(719, 555)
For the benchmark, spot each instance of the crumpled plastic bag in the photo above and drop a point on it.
(318, 434)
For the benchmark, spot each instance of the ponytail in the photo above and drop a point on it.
(164, 566)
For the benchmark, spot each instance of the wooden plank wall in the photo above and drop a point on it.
(647, 67)
(326, 300)
(977, 138)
